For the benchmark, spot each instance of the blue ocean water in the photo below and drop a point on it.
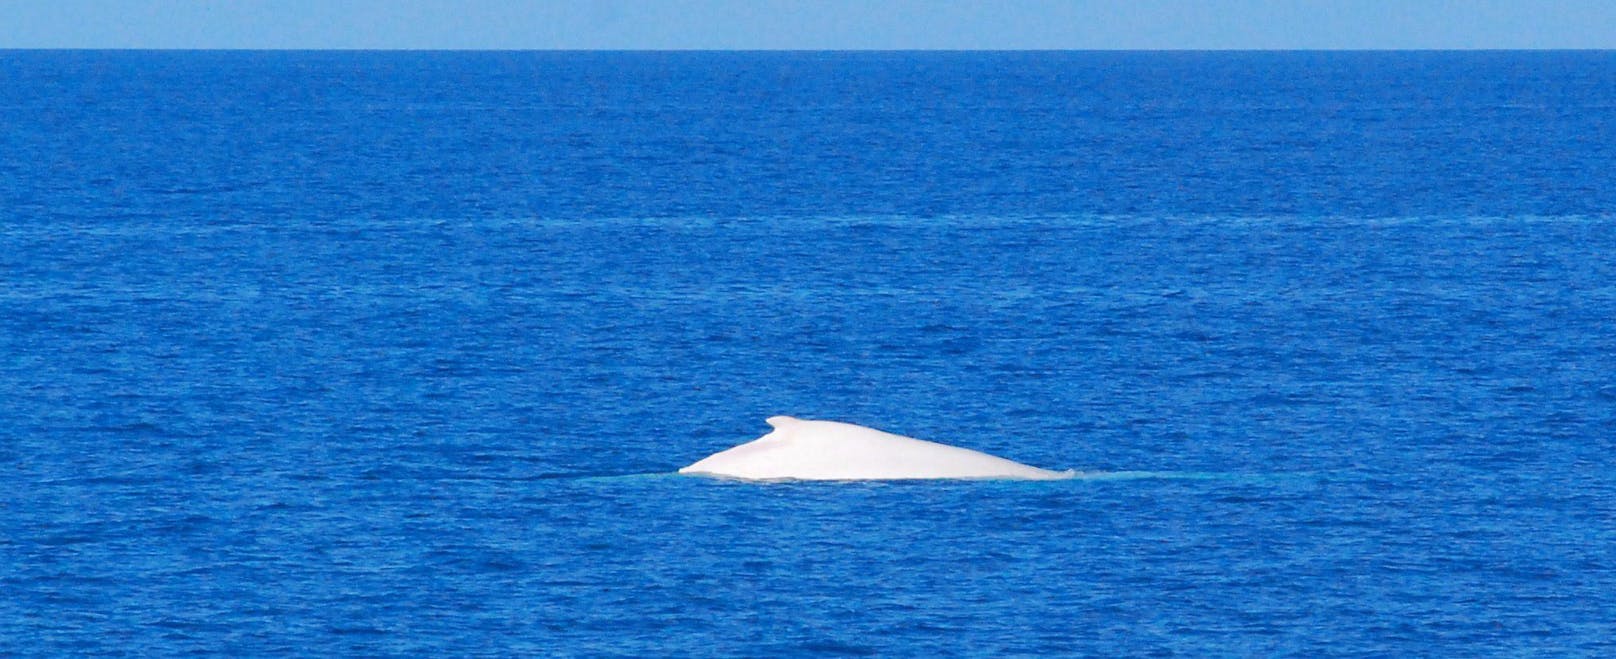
(395, 353)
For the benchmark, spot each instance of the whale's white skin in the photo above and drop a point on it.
(800, 449)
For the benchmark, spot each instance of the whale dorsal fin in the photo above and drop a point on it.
(778, 422)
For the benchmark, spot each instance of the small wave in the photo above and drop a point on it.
(604, 477)
(1070, 475)
(1152, 475)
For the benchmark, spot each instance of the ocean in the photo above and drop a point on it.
(396, 353)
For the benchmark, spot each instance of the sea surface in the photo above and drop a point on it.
(396, 354)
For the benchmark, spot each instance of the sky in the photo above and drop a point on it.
(809, 24)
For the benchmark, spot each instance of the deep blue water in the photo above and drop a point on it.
(394, 353)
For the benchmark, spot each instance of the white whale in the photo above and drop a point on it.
(799, 449)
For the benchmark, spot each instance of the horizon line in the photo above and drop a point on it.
(7, 49)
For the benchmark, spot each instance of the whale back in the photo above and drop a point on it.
(830, 450)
